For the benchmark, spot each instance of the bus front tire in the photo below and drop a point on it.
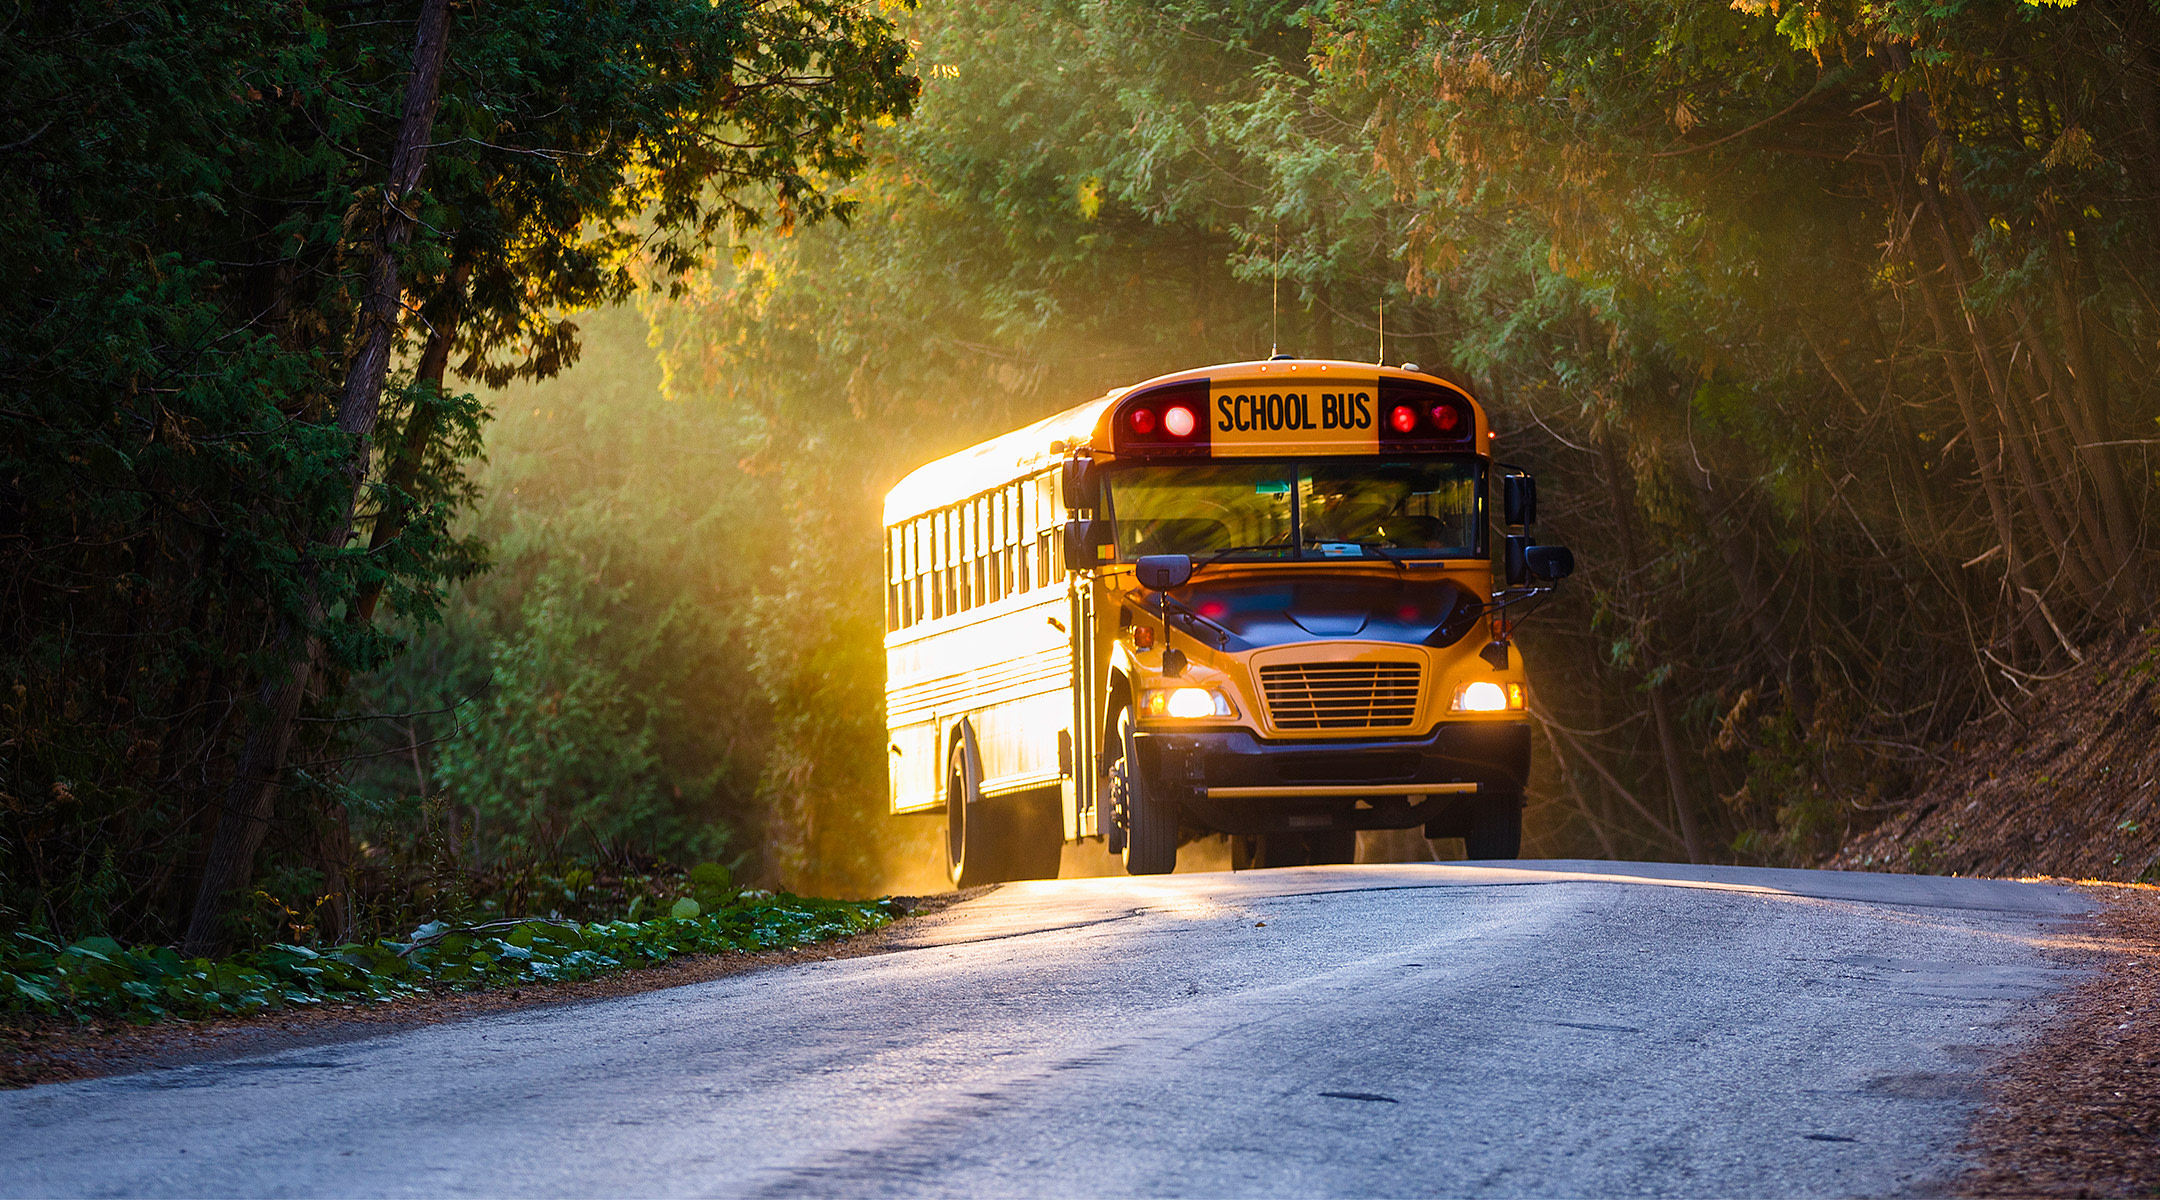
(1497, 830)
(1150, 826)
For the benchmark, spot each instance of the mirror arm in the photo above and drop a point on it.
(1164, 603)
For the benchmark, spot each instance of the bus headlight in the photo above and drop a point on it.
(1483, 695)
(1186, 703)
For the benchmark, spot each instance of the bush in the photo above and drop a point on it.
(100, 977)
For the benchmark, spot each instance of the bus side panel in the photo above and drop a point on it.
(1008, 674)
(913, 763)
(1017, 695)
(1019, 739)
(914, 766)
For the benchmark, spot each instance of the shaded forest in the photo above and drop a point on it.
(1829, 327)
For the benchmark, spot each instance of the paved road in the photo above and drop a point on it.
(1562, 1028)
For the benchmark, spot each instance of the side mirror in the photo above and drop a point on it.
(1161, 572)
(1076, 483)
(1518, 499)
(1549, 563)
(1515, 563)
(1081, 540)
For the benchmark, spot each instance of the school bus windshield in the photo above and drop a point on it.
(1310, 509)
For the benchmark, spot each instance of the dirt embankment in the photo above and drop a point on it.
(2066, 784)
(2076, 1110)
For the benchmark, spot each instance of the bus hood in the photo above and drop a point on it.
(1247, 613)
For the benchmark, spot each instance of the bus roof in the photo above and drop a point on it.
(998, 461)
(1025, 451)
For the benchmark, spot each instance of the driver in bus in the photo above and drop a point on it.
(1352, 511)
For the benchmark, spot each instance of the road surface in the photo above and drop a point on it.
(1533, 1029)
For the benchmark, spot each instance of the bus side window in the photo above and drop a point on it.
(938, 604)
(910, 575)
(918, 586)
(986, 543)
(970, 588)
(1000, 582)
(892, 580)
(978, 537)
(955, 562)
(1012, 538)
(1028, 522)
(904, 537)
(986, 548)
(947, 573)
(1023, 541)
(1019, 547)
(1007, 583)
(1045, 521)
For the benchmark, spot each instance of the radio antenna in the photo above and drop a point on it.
(1275, 297)
(1382, 360)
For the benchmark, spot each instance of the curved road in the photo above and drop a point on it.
(1533, 1029)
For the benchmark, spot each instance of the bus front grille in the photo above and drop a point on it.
(1341, 695)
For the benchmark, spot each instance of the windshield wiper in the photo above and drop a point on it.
(1375, 548)
(1219, 555)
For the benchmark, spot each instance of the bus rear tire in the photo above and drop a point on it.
(1151, 827)
(970, 856)
(1496, 833)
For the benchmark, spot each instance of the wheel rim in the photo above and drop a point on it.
(1120, 814)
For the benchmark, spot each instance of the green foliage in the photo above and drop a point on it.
(561, 744)
(100, 977)
(181, 186)
(1674, 245)
(1828, 326)
(591, 694)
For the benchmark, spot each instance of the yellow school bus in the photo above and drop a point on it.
(1258, 599)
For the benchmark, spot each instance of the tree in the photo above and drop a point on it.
(1849, 383)
(189, 381)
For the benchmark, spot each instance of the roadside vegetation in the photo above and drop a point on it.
(256, 256)
(99, 978)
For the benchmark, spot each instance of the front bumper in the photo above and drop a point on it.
(1230, 781)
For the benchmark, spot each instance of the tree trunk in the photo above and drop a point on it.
(249, 802)
(2094, 432)
(1740, 564)
(421, 426)
(2015, 431)
(1619, 481)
